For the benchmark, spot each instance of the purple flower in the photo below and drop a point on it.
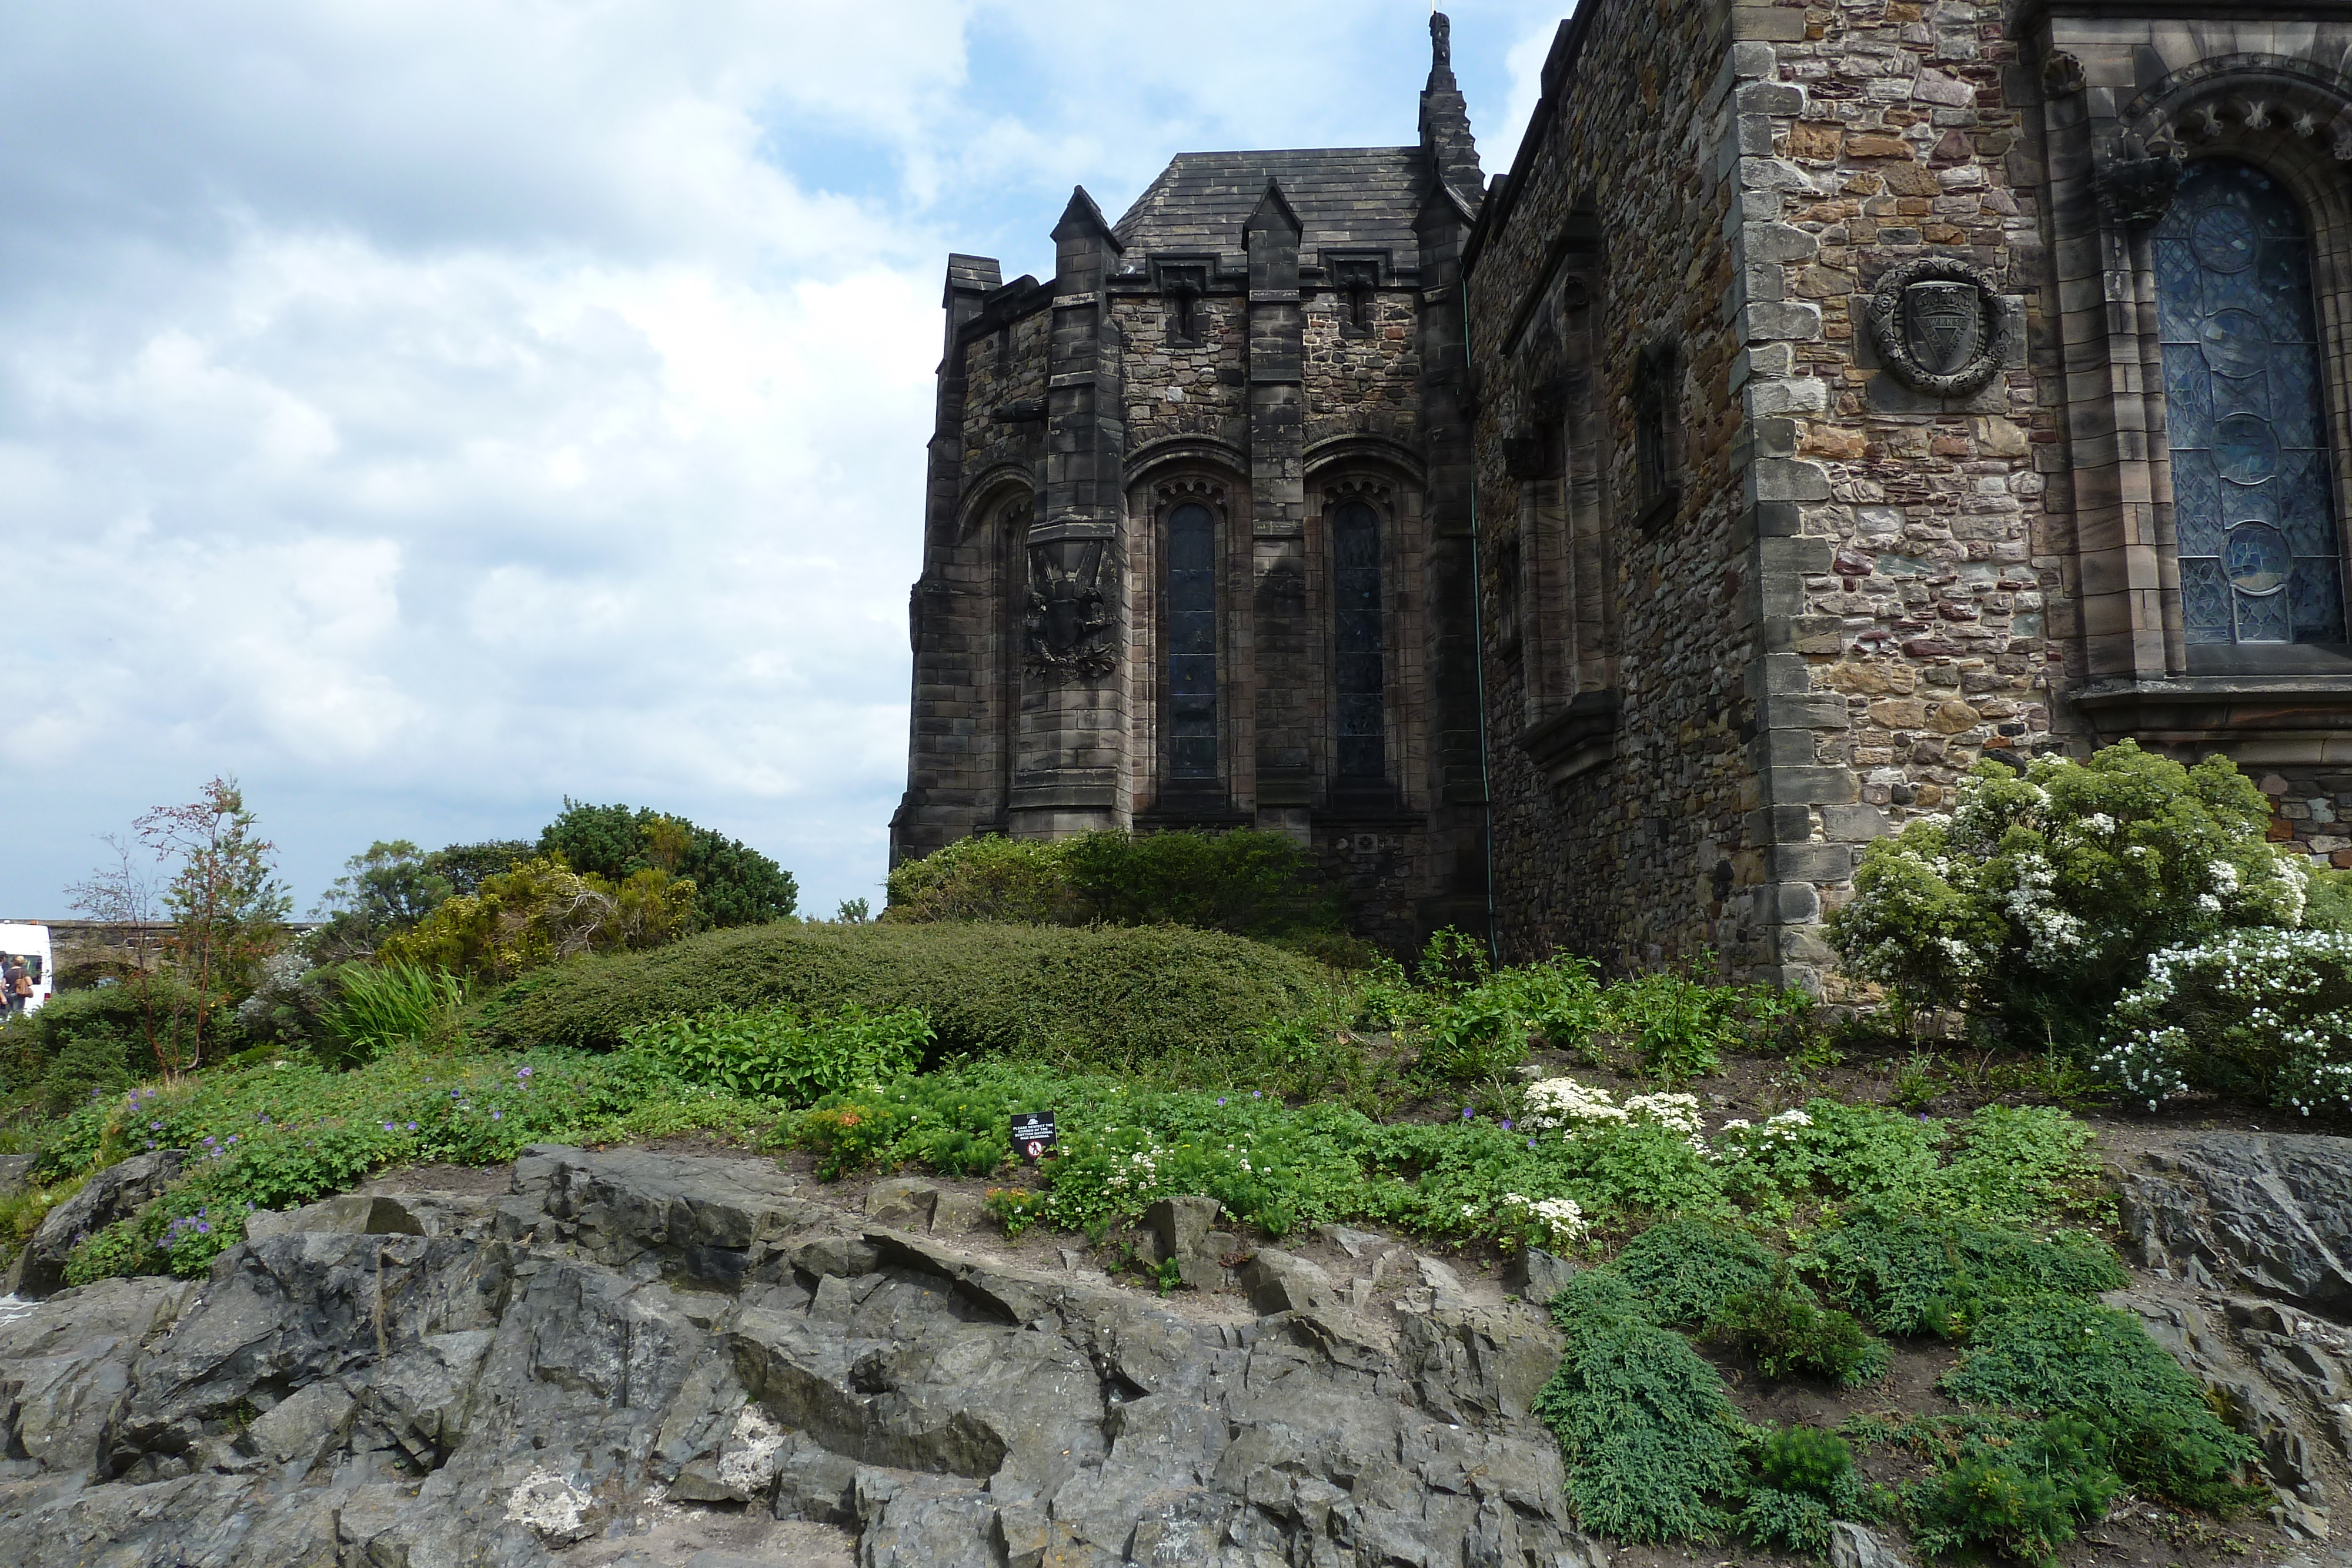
(208, 1138)
(1506, 1124)
(1468, 1114)
(498, 1115)
(151, 1142)
(1257, 1093)
(522, 1073)
(387, 1127)
(232, 1138)
(154, 1126)
(412, 1126)
(1221, 1099)
(203, 1230)
(456, 1093)
(1531, 1143)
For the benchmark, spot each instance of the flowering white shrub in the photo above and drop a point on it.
(1557, 1220)
(2252, 1014)
(2040, 897)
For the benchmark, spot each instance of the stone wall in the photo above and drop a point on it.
(1632, 844)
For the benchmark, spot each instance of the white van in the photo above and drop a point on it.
(29, 945)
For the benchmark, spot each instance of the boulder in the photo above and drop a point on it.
(114, 1193)
(1280, 1281)
(2256, 1212)
(1181, 1225)
(350, 1213)
(1851, 1546)
(901, 1204)
(1539, 1275)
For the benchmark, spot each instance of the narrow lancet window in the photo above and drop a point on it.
(2253, 510)
(1191, 642)
(1356, 592)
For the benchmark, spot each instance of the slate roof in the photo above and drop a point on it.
(1344, 196)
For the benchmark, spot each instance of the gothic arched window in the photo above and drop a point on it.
(1191, 642)
(2253, 510)
(1356, 595)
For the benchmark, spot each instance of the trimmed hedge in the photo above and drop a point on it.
(1151, 999)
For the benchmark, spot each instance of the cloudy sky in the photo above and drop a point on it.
(423, 410)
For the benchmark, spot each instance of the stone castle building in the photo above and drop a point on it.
(1856, 390)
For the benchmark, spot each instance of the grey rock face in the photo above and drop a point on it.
(110, 1195)
(1851, 1546)
(2261, 1214)
(534, 1372)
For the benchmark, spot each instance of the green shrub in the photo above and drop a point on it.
(2063, 1355)
(1779, 1521)
(542, 913)
(2009, 1164)
(1644, 1424)
(2254, 1015)
(1938, 1273)
(1806, 1459)
(2327, 903)
(734, 884)
(93, 1042)
(773, 1052)
(1246, 882)
(2022, 1500)
(1678, 1025)
(1160, 1002)
(1787, 1332)
(1686, 1268)
(2039, 898)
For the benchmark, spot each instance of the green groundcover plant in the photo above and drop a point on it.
(2039, 899)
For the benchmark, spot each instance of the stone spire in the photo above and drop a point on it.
(1446, 118)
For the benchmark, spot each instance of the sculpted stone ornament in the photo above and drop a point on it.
(1068, 621)
(1939, 326)
(2138, 177)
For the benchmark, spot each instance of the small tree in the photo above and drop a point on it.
(384, 891)
(735, 884)
(228, 909)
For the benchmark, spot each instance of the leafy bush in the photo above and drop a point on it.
(2039, 898)
(1806, 1459)
(2063, 1355)
(1786, 1521)
(2254, 1015)
(2009, 1164)
(1938, 1273)
(1645, 1423)
(539, 913)
(96, 1042)
(1783, 1328)
(734, 884)
(1686, 1268)
(772, 1053)
(1247, 882)
(1678, 1025)
(1161, 1002)
(2024, 1501)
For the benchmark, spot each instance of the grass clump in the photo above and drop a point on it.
(1160, 1002)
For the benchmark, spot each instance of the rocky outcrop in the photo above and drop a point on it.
(111, 1194)
(2266, 1215)
(491, 1381)
(2247, 1240)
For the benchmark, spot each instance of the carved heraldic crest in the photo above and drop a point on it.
(1939, 326)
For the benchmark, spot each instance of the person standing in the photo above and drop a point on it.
(16, 981)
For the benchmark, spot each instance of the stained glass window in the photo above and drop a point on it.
(1356, 593)
(2253, 508)
(1191, 642)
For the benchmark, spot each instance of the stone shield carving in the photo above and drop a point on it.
(1939, 326)
(1069, 623)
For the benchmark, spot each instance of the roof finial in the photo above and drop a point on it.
(1440, 39)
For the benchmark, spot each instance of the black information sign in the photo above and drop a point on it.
(1033, 1134)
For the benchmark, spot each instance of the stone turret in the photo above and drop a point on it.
(1445, 117)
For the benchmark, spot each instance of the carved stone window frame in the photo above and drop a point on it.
(1183, 283)
(1171, 795)
(1357, 278)
(2113, 144)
